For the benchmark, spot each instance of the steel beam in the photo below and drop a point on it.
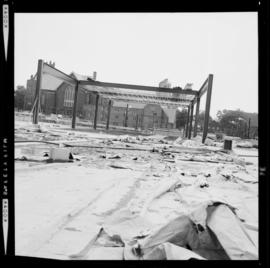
(203, 88)
(109, 114)
(196, 116)
(37, 93)
(187, 122)
(143, 96)
(172, 104)
(48, 69)
(74, 110)
(96, 112)
(126, 117)
(190, 121)
(207, 107)
(138, 87)
(137, 119)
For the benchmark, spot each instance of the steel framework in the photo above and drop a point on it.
(171, 97)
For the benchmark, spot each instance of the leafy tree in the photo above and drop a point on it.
(234, 122)
(19, 96)
(201, 120)
(181, 118)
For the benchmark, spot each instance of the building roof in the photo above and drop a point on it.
(81, 76)
(50, 83)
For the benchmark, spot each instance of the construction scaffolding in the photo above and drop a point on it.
(172, 97)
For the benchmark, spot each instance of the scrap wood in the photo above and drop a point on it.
(120, 167)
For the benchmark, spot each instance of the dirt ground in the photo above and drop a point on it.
(128, 185)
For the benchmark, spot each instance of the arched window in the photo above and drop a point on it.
(69, 97)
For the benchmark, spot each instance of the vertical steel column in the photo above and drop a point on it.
(126, 117)
(207, 107)
(196, 116)
(37, 94)
(109, 114)
(137, 119)
(74, 110)
(187, 122)
(248, 127)
(190, 121)
(96, 112)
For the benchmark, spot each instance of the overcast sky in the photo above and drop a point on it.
(145, 48)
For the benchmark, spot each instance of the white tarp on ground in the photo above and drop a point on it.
(195, 203)
(223, 237)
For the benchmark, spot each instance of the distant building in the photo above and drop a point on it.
(57, 97)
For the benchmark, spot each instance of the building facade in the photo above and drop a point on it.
(58, 98)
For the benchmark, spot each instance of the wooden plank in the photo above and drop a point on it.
(207, 107)
(74, 109)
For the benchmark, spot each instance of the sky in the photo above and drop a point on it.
(145, 48)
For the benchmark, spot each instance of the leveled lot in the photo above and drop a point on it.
(121, 193)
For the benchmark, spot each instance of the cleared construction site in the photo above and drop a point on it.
(102, 192)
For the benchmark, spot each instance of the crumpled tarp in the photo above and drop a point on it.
(212, 232)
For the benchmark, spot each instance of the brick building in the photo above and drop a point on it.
(57, 97)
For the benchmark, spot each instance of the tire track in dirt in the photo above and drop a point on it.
(62, 223)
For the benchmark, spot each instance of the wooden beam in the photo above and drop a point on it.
(37, 93)
(190, 121)
(187, 122)
(109, 114)
(96, 112)
(74, 110)
(207, 107)
(196, 116)
(138, 87)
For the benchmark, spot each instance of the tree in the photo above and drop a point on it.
(19, 96)
(181, 118)
(234, 122)
(201, 120)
